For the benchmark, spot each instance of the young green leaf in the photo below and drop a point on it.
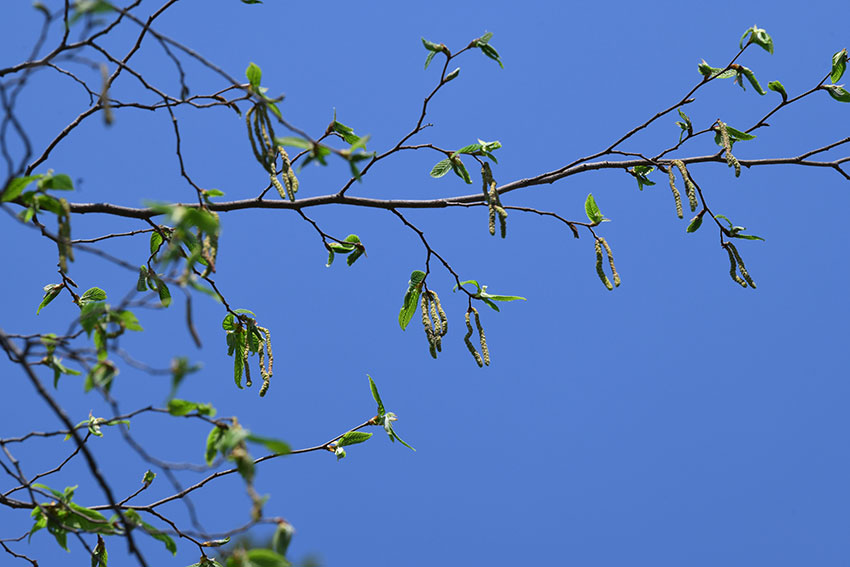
(274, 445)
(776, 86)
(592, 210)
(91, 295)
(441, 168)
(839, 65)
(758, 36)
(16, 187)
(696, 222)
(216, 542)
(353, 438)
(460, 170)
(411, 298)
(452, 75)
(51, 291)
(376, 396)
(254, 74)
(837, 92)
(213, 440)
(752, 79)
(184, 407)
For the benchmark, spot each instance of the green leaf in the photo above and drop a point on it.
(376, 396)
(839, 65)
(411, 298)
(837, 92)
(734, 135)
(353, 438)
(252, 1)
(695, 223)
(752, 79)
(127, 319)
(99, 556)
(710, 72)
(347, 133)
(184, 407)
(758, 36)
(502, 297)
(148, 477)
(141, 283)
(282, 536)
(747, 237)
(216, 542)
(776, 86)
(16, 187)
(294, 142)
(354, 256)
(428, 59)
(60, 182)
(213, 439)
(164, 294)
(51, 291)
(260, 557)
(214, 193)
(254, 74)
(488, 50)
(431, 46)
(484, 39)
(330, 257)
(156, 242)
(451, 76)
(441, 168)
(91, 295)
(460, 170)
(592, 210)
(274, 445)
(135, 518)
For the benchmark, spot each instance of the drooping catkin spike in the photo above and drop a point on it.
(245, 353)
(733, 265)
(611, 261)
(261, 147)
(492, 197)
(676, 196)
(436, 323)
(690, 188)
(266, 372)
(66, 252)
(741, 267)
(485, 352)
(281, 190)
(503, 220)
(466, 338)
(731, 160)
(444, 321)
(599, 270)
(426, 323)
(253, 140)
(486, 179)
(288, 174)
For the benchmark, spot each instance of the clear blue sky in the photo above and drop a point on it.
(679, 420)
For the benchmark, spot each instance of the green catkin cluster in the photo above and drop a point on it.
(599, 270)
(65, 251)
(731, 160)
(483, 358)
(690, 188)
(735, 260)
(610, 256)
(434, 321)
(494, 206)
(266, 152)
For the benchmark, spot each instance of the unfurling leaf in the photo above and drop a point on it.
(839, 65)
(837, 92)
(592, 210)
(776, 86)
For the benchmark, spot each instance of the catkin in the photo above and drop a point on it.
(245, 353)
(466, 338)
(741, 267)
(731, 160)
(599, 270)
(610, 256)
(733, 265)
(485, 352)
(676, 196)
(690, 188)
(426, 323)
(256, 151)
(444, 322)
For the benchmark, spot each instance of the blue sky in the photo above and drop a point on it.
(678, 420)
